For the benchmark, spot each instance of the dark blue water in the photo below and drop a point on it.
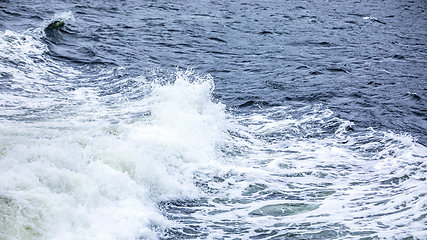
(232, 119)
(365, 60)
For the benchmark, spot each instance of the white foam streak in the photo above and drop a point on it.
(27, 73)
(364, 184)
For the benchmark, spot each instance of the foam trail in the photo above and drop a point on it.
(32, 80)
(282, 184)
(70, 178)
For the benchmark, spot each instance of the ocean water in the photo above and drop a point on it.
(276, 119)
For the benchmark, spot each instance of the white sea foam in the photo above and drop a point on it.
(66, 16)
(85, 175)
(82, 177)
(346, 185)
(28, 75)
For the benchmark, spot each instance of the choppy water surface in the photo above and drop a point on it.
(213, 120)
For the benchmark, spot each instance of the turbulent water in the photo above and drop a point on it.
(213, 119)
